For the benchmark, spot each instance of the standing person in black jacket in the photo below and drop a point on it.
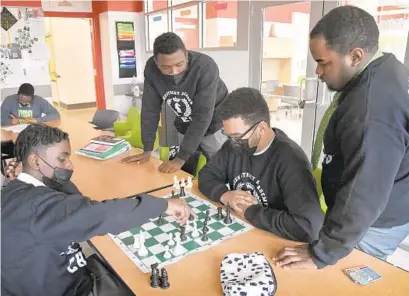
(43, 215)
(268, 176)
(189, 83)
(365, 177)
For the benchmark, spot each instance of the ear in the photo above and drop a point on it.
(357, 55)
(33, 161)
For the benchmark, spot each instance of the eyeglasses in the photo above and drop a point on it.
(237, 139)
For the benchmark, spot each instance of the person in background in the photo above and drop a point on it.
(365, 172)
(189, 83)
(268, 175)
(26, 107)
(43, 216)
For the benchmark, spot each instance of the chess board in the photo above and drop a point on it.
(156, 235)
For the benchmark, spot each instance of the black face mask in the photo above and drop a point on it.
(242, 147)
(175, 79)
(60, 176)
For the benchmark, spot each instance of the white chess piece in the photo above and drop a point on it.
(167, 254)
(136, 242)
(195, 232)
(177, 250)
(182, 183)
(188, 226)
(171, 242)
(143, 251)
(189, 183)
(175, 182)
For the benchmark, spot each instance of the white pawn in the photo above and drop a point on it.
(189, 183)
(177, 250)
(171, 242)
(167, 254)
(136, 242)
(195, 232)
(175, 182)
(143, 251)
(188, 226)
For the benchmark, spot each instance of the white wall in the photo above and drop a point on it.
(106, 59)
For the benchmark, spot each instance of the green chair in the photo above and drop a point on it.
(317, 175)
(130, 129)
(122, 127)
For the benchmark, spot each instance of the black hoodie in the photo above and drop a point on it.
(194, 100)
(40, 228)
(281, 180)
(365, 177)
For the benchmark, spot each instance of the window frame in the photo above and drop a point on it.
(240, 44)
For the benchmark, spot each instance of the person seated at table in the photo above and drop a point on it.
(43, 215)
(26, 107)
(263, 174)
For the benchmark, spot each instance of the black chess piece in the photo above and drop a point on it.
(183, 236)
(207, 218)
(219, 213)
(205, 228)
(155, 281)
(173, 194)
(164, 282)
(191, 217)
(182, 191)
(160, 219)
(227, 218)
(204, 236)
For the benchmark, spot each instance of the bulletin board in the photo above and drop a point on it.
(125, 43)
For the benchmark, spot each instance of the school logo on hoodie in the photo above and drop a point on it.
(75, 258)
(247, 182)
(180, 103)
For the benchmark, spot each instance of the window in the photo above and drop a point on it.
(156, 25)
(220, 24)
(185, 23)
(200, 24)
(392, 17)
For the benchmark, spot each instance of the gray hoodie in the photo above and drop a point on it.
(35, 109)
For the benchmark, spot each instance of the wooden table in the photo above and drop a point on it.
(198, 274)
(108, 179)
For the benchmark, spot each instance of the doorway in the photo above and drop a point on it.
(71, 62)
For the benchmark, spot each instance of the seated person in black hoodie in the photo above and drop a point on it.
(261, 173)
(43, 215)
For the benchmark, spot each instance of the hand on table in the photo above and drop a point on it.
(138, 158)
(179, 209)
(295, 258)
(171, 166)
(29, 120)
(13, 169)
(239, 200)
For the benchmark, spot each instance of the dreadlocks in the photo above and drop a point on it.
(35, 137)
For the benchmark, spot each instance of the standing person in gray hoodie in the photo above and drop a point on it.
(189, 83)
(25, 107)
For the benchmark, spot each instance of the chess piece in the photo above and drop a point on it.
(189, 183)
(160, 219)
(178, 249)
(205, 230)
(182, 183)
(207, 218)
(176, 183)
(143, 251)
(155, 282)
(173, 194)
(167, 254)
(227, 218)
(191, 217)
(171, 242)
(195, 232)
(219, 213)
(182, 192)
(164, 282)
(136, 242)
(183, 236)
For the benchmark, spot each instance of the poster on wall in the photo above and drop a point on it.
(23, 58)
(125, 42)
(67, 5)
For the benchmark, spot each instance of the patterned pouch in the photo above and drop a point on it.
(247, 275)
